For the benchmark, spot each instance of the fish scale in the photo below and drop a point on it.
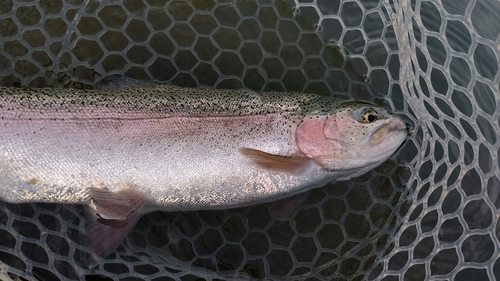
(159, 98)
(136, 149)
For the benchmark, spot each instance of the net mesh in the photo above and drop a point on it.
(428, 213)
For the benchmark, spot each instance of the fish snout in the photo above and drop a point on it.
(409, 129)
(397, 124)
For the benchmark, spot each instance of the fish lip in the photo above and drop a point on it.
(396, 130)
(392, 127)
(397, 125)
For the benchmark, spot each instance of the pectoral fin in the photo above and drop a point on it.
(276, 163)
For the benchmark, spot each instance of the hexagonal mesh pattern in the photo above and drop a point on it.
(430, 212)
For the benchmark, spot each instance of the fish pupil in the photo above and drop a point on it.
(369, 117)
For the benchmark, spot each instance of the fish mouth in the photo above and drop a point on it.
(397, 125)
(394, 127)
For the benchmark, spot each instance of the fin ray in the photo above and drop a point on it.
(103, 238)
(284, 208)
(276, 163)
(117, 213)
(117, 205)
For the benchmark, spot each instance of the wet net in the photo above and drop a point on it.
(428, 213)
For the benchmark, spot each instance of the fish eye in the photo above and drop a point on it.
(369, 116)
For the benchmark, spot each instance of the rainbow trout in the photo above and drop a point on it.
(136, 149)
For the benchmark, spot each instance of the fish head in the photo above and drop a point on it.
(350, 136)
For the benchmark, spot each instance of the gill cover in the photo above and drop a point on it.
(353, 135)
(316, 137)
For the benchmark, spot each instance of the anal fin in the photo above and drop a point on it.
(276, 163)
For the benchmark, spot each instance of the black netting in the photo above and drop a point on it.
(430, 212)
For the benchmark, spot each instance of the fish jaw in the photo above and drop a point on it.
(393, 128)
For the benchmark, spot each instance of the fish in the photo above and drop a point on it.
(131, 150)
